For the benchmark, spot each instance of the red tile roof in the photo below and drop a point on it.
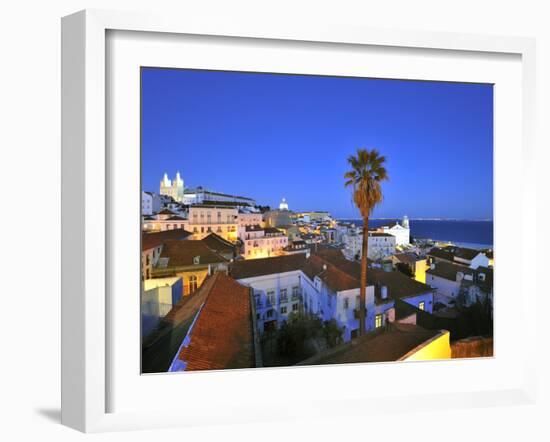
(219, 244)
(342, 274)
(155, 239)
(222, 335)
(335, 278)
(182, 253)
(267, 266)
(378, 346)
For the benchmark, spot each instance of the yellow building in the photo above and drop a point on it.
(394, 342)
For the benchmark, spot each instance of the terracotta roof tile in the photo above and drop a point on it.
(222, 335)
(155, 239)
(379, 346)
(182, 253)
(267, 266)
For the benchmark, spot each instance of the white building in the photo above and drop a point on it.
(173, 188)
(277, 287)
(459, 255)
(200, 196)
(325, 285)
(158, 297)
(451, 280)
(401, 232)
(150, 203)
(381, 245)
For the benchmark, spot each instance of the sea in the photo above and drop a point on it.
(465, 233)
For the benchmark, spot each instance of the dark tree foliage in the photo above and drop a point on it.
(475, 320)
(405, 269)
(294, 336)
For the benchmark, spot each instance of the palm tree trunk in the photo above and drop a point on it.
(363, 289)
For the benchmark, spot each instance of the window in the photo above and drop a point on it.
(295, 307)
(258, 300)
(378, 321)
(284, 296)
(295, 291)
(193, 283)
(346, 303)
(269, 313)
(271, 297)
(421, 305)
(283, 310)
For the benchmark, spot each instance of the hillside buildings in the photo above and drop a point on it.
(460, 256)
(325, 284)
(381, 245)
(150, 203)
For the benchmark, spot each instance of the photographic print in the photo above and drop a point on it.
(301, 220)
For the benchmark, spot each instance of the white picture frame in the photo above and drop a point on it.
(85, 260)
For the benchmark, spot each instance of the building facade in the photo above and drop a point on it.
(150, 203)
(262, 242)
(205, 219)
(172, 188)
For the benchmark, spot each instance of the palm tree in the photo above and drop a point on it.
(365, 177)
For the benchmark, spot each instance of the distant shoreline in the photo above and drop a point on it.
(475, 234)
(418, 219)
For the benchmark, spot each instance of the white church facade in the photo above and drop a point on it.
(402, 232)
(172, 188)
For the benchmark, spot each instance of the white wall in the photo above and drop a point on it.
(30, 35)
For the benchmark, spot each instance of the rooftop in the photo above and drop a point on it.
(408, 258)
(155, 239)
(450, 252)
(378, 346)
(222, 335)
(183, 253)
(219, 244)
(266, 266)
(161, 346)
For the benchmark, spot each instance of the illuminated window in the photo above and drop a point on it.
(421, 305)
(378, 321)
(193, 283)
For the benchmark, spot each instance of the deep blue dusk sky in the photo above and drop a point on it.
(270, 136)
